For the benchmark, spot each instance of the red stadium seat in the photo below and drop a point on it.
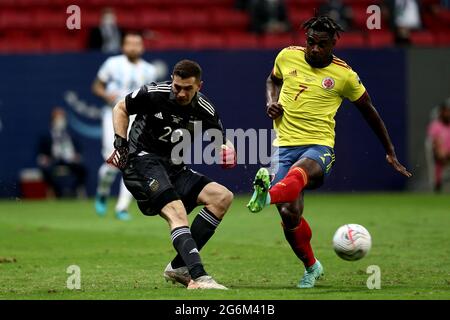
(200, 41)
(14, 19)
(422, 38)
(241, 41)
(19, 42)
(361, 3)
(229, 20)
(380, 39)
(191, 19)
(155, 19)
(443, 39)
(300, 39)
(429, 2)
(48, 18)
(444, 17)
(431, 22)
(277, 41)
(351, 40)
(65, 41)
(90, 18)
(306, 5)
(166, 42)
(297, 17)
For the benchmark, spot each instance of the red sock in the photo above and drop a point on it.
(299, 238)
(288, 189)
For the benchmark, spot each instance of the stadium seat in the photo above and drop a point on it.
(166, 42)
(380, 39)
(444, 17)
(155, 19)
(65, 41)
(300, 39)
(429, 2)
(351, 40)
(431, 22)
(298, 16)
(241, 41)
(90, 18)
(200, 41)
(443, 39)
(277, 41)
(127, 19)
(14, 19)
(306, 5)
(191, 19)
(48, 18)
(27, 45)
(361, 3)
(229, 20)
(422, 38)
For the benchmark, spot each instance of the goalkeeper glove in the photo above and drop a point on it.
(228, 156)
(120, 155)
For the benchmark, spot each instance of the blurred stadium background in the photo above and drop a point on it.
(43, 64)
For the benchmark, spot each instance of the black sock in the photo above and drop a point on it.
(187, 249)
(202, 229)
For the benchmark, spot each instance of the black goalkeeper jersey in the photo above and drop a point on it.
(159, 116)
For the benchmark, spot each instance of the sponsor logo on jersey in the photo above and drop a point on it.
(328, 83)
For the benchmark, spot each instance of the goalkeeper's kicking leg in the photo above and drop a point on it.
(216, 200)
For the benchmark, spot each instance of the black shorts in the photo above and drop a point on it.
(154, 182)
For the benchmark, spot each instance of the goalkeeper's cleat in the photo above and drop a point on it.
(180, 275)
(310, 276)
(100, 205)
(205, 282)
(261, 185)
(123, 215)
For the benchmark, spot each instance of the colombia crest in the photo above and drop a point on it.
(328, 83)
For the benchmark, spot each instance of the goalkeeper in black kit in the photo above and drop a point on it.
(163, 187)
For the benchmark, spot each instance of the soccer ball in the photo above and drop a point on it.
(352, 242)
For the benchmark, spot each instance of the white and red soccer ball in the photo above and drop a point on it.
(352, 242)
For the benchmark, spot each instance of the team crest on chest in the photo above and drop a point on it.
(328, 83)
(153, 184)
(176, 119)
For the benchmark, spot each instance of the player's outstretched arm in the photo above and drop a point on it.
(370, 114)
(273, 88)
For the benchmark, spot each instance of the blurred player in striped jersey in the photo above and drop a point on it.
(118, 76)
(304, 92)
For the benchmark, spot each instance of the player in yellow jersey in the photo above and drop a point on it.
(304, 92)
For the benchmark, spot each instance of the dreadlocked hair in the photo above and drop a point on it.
(323, 23)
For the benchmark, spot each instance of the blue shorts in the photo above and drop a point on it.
(284, 157)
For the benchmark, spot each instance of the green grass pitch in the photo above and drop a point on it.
(248, 253)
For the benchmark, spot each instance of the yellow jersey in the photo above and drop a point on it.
(311, 97)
